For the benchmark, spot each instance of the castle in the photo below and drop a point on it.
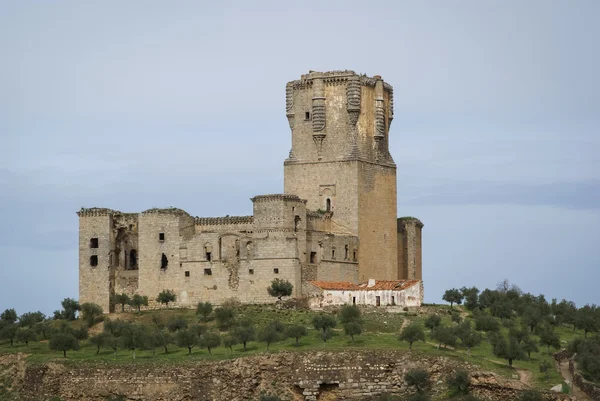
(335, 222)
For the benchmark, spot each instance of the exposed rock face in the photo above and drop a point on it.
(356, 375)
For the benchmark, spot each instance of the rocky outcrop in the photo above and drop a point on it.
(352, 375)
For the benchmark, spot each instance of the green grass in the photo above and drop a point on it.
(381, 331)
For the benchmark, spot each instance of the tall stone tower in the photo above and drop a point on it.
(340, 160)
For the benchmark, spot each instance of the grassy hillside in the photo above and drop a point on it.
(381, 331)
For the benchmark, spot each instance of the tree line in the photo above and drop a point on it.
(531, 321)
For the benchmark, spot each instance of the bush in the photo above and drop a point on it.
(210, 340)
(70, 309)
(120, 299)
(453, 296)
(350, 313)
(166, 296)
(324, 322)
(296, 331)
(270, 334)
(225, 317)
(245, 332)
(91, 313)
(63, 342)
(176, 324)
(419, 379)
(486, 323)
(412, 333)
(25, 335)
(280, 288)
(187, 338)
(445, 336)
(204, 310)
(138, 301)
(353, 329)
(459, 382)
(588, 357)
(433, 321)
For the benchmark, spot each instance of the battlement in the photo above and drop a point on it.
(275, 197)
(403, 221)
(170, 210)
(96, 211)
(213, 221)
(337, 77)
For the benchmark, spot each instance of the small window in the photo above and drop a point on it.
(161, 236)
(208, 272)
(378, 300)
(132, 259)
(328, 205)
(307, 115)
(130, 227)
(94, 260)
(276, 270)
(250, 271)
(354, 255)
(313, 257)
(164, 262)
(346, 252)
(333, 253)
(94, 243)
(187, 273)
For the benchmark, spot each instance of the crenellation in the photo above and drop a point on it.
(335, 220)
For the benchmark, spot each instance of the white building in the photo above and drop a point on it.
(401, 293)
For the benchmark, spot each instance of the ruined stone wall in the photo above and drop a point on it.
(95, 281)
(310, 376)
(586, 386)
(410, 263)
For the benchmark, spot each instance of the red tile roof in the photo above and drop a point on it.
(397, 285)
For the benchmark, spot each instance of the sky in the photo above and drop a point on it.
(140, 104)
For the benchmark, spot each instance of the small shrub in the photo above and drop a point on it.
(459, 382)
(419, 379)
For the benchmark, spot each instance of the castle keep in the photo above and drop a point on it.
(335, 222)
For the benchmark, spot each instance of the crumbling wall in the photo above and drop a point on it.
(356, 375)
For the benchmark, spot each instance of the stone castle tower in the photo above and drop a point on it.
(340, 160)
(335, 222)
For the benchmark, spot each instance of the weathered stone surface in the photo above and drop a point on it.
(336, 220)
(298, 376)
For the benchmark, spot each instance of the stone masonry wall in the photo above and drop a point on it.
(340, 160)
(410, 264)
(356, 375)
(94, 281)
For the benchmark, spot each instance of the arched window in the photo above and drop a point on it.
(133, 264)
(328, 205)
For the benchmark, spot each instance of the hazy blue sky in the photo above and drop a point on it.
(140, 104)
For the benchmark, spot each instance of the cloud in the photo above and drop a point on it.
(570, 195)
